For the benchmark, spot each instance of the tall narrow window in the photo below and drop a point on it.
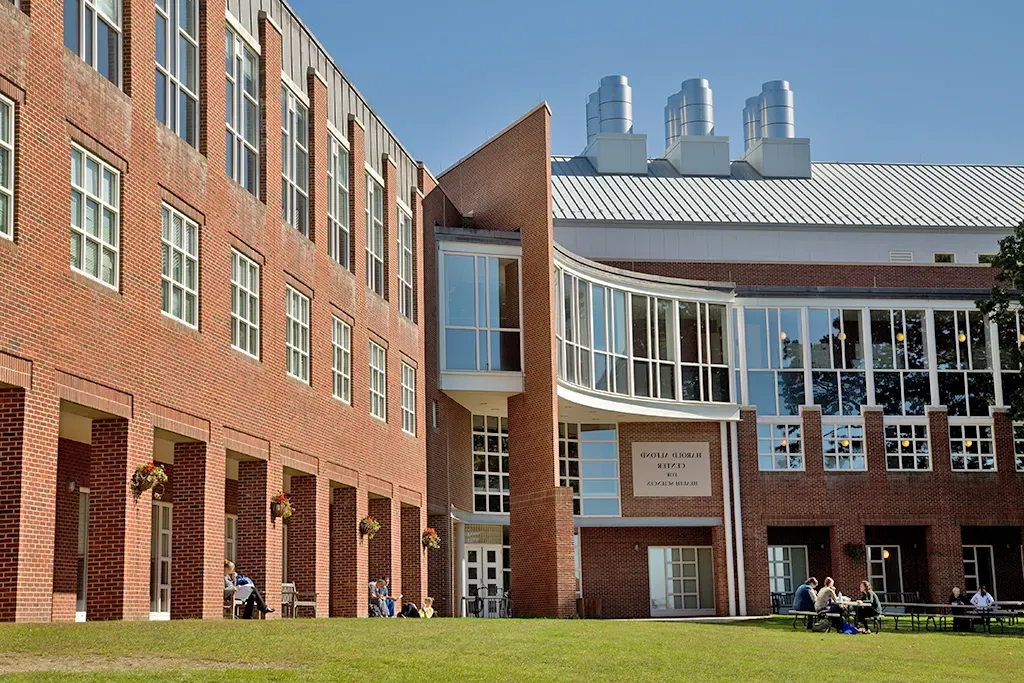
(92, 30)
(405, 289)
(588, 464)
(378, 382)
(245, 304)
(966, 384)
(481, 313)
(179, 281)
(95, 218)
(775, 360)
(341, 364)
(490, 464)
(899, 357)
(374, 235)
(297, 334)
(294, 162)
(337, 204)
(1011, 340)
(177, 67)
(408, 399)
(6, 168)
(703, 352)
(243, 117)
(654, 347)
(837, 360)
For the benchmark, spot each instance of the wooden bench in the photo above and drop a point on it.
(797, 614)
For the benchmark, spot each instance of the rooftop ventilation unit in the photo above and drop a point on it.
(772, 147)
(751, 122)
(777, 110)
(689, 111)
(614, 108)
(673, 119)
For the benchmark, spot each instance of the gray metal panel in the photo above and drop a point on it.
(842, 194)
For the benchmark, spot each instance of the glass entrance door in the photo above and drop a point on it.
(485, 578)
(83, 553)
(160, 563)
(885, 571)
(979, 569)
(681, 581)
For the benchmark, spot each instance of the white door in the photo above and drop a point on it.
(83, 553)
(885, 571)
(160, 563)
(485, 577)
(979, 569)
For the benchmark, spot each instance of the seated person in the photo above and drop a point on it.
(409, 610)
(377, 606)
(428, 608)
(956, 599)
(389, 601)
(827, 600)
(803, 600)
(868, 606)
(983, 598)
(245, 590)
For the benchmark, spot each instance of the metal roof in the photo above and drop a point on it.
(842, 194)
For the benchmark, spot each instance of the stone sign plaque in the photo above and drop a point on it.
(672, 469)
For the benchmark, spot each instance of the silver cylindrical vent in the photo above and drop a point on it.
(777, 119)
(673, 121)
(616, 102)
(697, 111)
(593, 117)
(751, 122)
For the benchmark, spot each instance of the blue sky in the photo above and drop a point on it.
(897, 81)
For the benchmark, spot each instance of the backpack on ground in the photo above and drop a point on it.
(821, 626)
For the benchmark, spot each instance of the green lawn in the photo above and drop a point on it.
(510, 650)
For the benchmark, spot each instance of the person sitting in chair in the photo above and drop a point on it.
(243, 588)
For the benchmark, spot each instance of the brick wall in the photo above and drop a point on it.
(349, 555)
(440, 578)
(72, 464)
(380, 546)
(12, 419)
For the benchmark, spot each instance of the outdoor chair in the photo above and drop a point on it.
(293, 600)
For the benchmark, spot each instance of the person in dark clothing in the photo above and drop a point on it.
(803, 600)
(958, 610)
(409, 610)
(243, 588)
(868, 606)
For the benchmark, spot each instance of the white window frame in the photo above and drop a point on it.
(899, 358)
(341, 362)
(578, 481)
(294, 160)
(408, 399)
(490, 483)
(375, 249)
(231, 538)
(175, 225)
(297, 316)
(937, 254)
(906, 443)
(776, 354)
(406, 305)
(79, 187)
(244, 105)
(378, 381)
(245, 288)
(339, 236)
(838, 363)
(7, 110)
(174, 63)
(783, 562)
(682, 578)
(965, 356)
(1018, 445)
(974, 574)
(844, 445)
(780, 435)
(876, 571)
(114, 23)
(966, 440)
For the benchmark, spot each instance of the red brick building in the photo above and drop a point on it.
(680, 385)
(241, 302)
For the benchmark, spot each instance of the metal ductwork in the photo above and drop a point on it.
(673, 119)
(751, 122)
(776, 103)
(613, 104)
(593, 117)
(697, 112)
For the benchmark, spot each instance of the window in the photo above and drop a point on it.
(231, 538)
(899, 358)
(787, 567)
(490, 464)
(1018, 446)
(405, 289)
(964, 363)
(243, 112)
(843, 447)
(177, 67)
(481, 313)
(972, 448)
(589, 464)
(408, 399)
(702, 352)
(681, 580)
(6, 168)
(433, 414)
(979, 568)
(294, 162)
(95, 221)
(608, 318)
(337, 204)
(1010, 334)
(654, 332)
(92, 30)
(297, 334)
(986, 259)
(944, 257)
(179, 274)
(775, 359)
(779, 447)
(245, 304)
(378, 382)
(341, 341)
(906, 447)
(374, 235)
(837, 360)
(885, 568)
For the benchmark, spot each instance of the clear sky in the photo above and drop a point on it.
(897, 81)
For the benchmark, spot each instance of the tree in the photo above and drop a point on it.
(1001, 305)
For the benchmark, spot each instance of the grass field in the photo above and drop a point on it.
(492, 650)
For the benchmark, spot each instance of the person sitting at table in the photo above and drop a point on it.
(827, 600)
(803, 600)
(960, 623)
(983, 598)
(868, 606)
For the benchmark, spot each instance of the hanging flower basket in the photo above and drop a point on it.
(281, 506)
(854, 551)
(431, 539)
(146, 477)
(368, 526)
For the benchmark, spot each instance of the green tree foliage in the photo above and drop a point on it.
(1002, 305)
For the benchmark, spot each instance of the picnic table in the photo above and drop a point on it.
(938, 613)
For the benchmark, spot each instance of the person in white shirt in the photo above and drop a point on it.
(983, 598)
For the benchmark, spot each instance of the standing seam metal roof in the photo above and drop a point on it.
(841, 194)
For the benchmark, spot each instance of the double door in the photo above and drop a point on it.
(485, 579)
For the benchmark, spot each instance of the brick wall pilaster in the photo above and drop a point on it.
(357, 200)
(349, 554)
(382, 562)
(945, 559)
(259, 536)
(319, 157)
(270, 115)
(847, 571)
(414, 556)
(197, 537)
(440, 584)
(309, 539)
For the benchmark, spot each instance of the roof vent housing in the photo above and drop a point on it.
(612, 107)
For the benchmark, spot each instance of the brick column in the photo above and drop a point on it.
(72, 465)
(119, 523)
(718, 558)
(441, 583)
(259, 536)
(309, 539)
(319, 157)
(414, 555)
(814, 457)
(1002, 433)
(349, 554)
(847, 571)
(357, 200)
(381, 548)
(945, 559)
(391, 263)
(197, 537)
(270, 119)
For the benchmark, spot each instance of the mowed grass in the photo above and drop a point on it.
(494, 650)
